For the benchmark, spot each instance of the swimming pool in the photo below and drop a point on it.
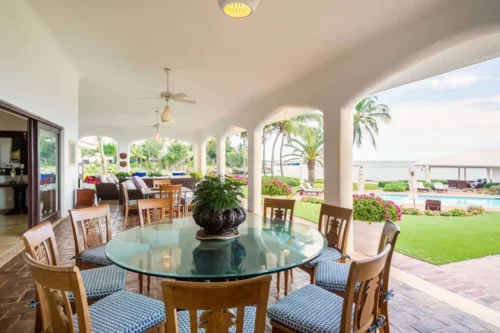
(402, 199)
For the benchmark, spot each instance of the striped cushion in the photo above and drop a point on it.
(124, 312)
(333, 276)
(101, 282)
(309, 310)
(95, 255)
(248, 321)
(329, 254)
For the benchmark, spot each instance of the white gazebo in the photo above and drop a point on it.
(481, 158)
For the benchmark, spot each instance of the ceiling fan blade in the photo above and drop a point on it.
(178, 95)
(147, 126)
(150, 98)
(189, 101)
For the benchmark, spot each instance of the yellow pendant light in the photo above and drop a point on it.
(238, 8)
(167, 116)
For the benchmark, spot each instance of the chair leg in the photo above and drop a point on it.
(312, 274)
(384, 310)
(126, 218)
(141, 284)
(38, 319)
(278, 281)
(291, 273)
(287, 274)
(149, 283)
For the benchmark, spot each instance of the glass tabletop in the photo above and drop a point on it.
(171, 250)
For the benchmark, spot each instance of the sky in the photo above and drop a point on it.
(445, 114)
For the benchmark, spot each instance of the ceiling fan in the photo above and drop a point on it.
(167, 116)
(157, 126)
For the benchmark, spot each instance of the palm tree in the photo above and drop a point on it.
(100, 148)
(308, 148)
(368, 113)
(136, 152)
(244, 139)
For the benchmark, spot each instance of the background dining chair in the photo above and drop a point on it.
(40, 243)
(281, 209)
(333, 276)
(209, 306)
(128, 204)
(89, 237)
(158, 182)
(155, 210)
(334, 222)
(174, 192)
(313, 309)
(120, 312)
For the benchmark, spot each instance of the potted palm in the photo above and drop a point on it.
(370, 212)
(217, 207)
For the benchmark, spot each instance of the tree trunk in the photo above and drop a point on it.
(101, 153)
(272, 153)
(284, 137)
(245, 152)
(311, 166)
(264, 152)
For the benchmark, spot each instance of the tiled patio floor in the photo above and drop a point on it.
(411, 310)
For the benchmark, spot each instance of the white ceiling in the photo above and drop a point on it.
(120, 48)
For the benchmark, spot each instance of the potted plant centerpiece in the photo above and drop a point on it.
(370, 213)
(217, 208)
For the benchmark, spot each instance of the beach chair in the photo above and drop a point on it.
(441, 188)
(309, 187)
(304, 190)
(422, 188)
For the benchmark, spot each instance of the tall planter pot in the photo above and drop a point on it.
(367, 237)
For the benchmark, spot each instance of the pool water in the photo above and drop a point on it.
(402, 199)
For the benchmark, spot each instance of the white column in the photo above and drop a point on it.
(338, 136)
(254, 171)
(123, 146)
(458, 173)
(203, 159)
(489, 174)
(465, 173)
(221, 156)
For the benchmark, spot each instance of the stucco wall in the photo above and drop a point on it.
(36, 75)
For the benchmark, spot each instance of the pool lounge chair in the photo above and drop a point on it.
(422, 188)
(304, 190)
(309, 187)
(441, 188)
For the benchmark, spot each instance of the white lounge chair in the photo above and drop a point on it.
(309, 187)
(304, 190)
(441, 188)
(422, 188)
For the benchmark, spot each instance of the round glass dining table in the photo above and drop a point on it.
(170, 249)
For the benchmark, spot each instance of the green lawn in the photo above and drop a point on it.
(441, 240)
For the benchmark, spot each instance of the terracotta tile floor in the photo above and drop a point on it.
(411, 310)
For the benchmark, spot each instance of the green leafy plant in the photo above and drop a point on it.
(276, 188)
(432, 213)
(371, 208)
(410, 211)
(475, 210)
(320, 181)
(154, 173)
(196, 175)
(491, 185)
(218, 193)
(121, 175)
(457, 212)
(312, 200)
(395, 187)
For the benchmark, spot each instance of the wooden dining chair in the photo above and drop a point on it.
(174, 192)
(113, 313)
(155, 210)
(333, 276)
(281, 209)
(40, 243)
(313, 309)
(89, 237)
(334, 222)
(218, 306)
(158, 182)
(128, 205)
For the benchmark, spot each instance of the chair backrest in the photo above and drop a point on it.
(155, 209)
(125, 192)
(308, 185)
(172, 191)
(280, 208)
(338, 223)
(434, 205)
(40, 243)
(389, 236)
(158, 182)
(51, 284)
(87, 226)
(366, 301)
(213, 298)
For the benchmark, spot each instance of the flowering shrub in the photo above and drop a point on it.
(276, 188)
(92, 180)
(410, 211)
(371, 208)
(475, 210)
(312, 200)
(242, 179)
(432, 213)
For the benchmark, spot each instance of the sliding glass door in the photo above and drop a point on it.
(48, 172)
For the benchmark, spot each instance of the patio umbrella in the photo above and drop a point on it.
(427, 174)
(361, 180)
(412, 182)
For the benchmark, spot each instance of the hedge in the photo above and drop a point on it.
(488, 185)
(395, 187)
(293, 182)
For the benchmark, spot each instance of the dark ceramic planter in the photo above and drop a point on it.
(220, 223)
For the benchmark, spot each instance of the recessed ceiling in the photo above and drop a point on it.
(120, 48)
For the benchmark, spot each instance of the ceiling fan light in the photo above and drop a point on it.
(238, 8)
(157, 137)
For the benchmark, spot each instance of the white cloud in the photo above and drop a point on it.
(452, 81)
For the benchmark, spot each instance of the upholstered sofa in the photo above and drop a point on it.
(108, 187)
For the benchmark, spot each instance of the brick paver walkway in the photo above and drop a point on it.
(411, 310)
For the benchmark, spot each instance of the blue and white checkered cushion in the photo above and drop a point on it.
(101, 282)
(333, 276)
(329, 254)
(124, 312)
(248, 321)
(95, 255)
(309, 310)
